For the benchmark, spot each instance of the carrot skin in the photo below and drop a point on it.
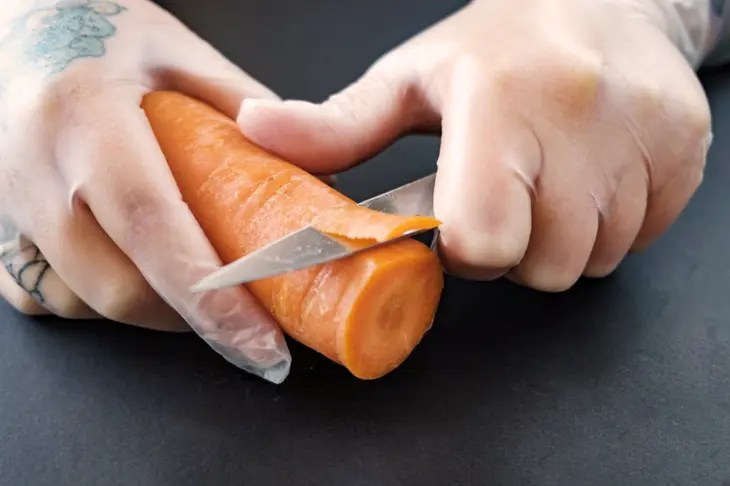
(366, 312)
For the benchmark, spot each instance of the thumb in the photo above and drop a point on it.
(192, 66)
(338, 133)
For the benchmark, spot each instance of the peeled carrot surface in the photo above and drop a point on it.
(366, 312)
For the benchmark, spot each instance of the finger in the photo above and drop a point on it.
(330, 180)
(95, 269)
(565, 214)
(123, 176)
(670, 195)
(11, 245)
(676, 160)
(192, 66)
(19, 298)
(620, 223)
(347, 128)
(33, 287)
(564, 228)
(487, 167)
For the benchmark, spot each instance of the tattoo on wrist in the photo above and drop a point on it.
(30, 273)
(54, 37)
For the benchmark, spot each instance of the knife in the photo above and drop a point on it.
(308, 247)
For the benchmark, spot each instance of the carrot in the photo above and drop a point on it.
(366, 312)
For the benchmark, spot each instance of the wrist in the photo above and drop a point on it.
(694, 26)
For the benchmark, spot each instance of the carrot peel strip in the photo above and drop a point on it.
(358, 222)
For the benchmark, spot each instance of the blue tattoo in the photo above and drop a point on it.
(70, 30)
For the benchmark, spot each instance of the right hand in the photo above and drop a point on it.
(93, 222)
(572, 131)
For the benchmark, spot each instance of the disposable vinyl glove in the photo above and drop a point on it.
(572, 131)
(92, 221)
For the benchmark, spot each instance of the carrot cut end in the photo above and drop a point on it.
(386, 313)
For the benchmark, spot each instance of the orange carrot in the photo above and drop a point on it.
(366, 312)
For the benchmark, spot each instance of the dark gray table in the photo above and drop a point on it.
(620, 381)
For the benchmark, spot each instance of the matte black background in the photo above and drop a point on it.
(619, 381)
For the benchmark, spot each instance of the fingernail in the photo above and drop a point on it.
(248, 106)
(250, 103)
(253, 106)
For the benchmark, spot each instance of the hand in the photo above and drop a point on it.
(573, 131)
(94, 223)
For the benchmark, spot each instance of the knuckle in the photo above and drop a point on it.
(600, 269)
(138, 212)
(52, 105)
(67, 305)
(648, 100)
(64, 92)
(689, 182)
(122, 299)
(483, 251)
(70, 87)
(569, 77)
(572, 81)
(689, 120)
(26, 305)
(694, 107)
(468, 69)
(699, 122)
(548, 279)
(46, 293)
(376, 87)
(469, 63)
(699, 178)
(128, 298)
(349, 102)
(692, 114)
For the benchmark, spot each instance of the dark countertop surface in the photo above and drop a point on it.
(622, 381)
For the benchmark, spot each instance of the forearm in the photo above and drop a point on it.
(699, 28)
(719, 52)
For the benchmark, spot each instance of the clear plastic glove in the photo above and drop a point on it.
(573, 131)
(92, 221)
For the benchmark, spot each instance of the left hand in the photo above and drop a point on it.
(92, 223)
(573, 131)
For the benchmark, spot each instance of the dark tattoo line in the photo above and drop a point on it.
(37, 260)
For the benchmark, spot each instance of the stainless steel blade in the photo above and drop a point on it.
(412, 199)
(295, 251)
(309, 247)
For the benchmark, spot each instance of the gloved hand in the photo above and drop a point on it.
(573, 131)
(93, 223)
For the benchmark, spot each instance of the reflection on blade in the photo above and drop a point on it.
(298, 250)
(412, 199)
(309, 247)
